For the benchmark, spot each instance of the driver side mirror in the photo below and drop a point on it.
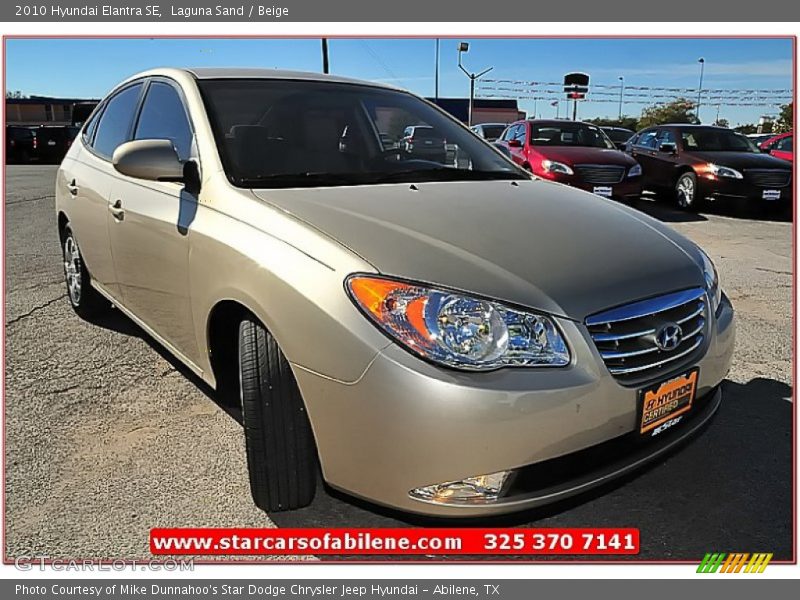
(154, 160)
(668, 147)
(514, 144)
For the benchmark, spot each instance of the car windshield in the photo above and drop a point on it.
(569, 134)
(716, 140)
(619, 135)
(290, 133)
(493, 131)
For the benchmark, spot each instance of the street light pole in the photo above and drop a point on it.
(621, 92)
(702, 62)
(325, 65)
(473, 77)
(436, 92)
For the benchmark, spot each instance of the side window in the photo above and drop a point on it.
(665, 136)
(114, 125)
(91, 126)
(521, 133)
(784, 145)
(647, 139)
(164, 117)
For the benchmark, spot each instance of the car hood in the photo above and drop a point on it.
(572, 155)
(534, 243)
(742, 160)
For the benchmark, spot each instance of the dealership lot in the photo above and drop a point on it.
(108, 436)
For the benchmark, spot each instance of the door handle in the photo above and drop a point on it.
(73, 188)
(116, 210)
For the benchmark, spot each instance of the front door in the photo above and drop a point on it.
(150, 224)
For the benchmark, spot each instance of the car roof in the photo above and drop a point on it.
(255, 73)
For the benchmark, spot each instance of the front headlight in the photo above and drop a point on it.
(635, 171)
(552, 166)
(721, 171)
(712, 281)
(457, 330)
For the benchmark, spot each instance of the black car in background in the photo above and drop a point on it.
(618, 135)
(21, 144)
(53, 141)
(44, 144)
(698, 163)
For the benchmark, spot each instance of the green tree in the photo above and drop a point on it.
(746, 128)
(722, 123)
(626, 122)
(677, 111)
(785, 119)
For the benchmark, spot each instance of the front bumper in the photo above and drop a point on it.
(630, 187)
(406, 423)
(723, 188)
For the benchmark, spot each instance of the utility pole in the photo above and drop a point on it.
(473, 77)
(621, 92)
(702, 62)
(436, 91)
(325, 65)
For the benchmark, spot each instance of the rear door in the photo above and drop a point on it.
(644, 151)
(90, 179)
(150, 225)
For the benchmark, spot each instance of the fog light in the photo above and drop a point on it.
(481, 489)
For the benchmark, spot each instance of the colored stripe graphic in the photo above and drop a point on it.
(737, 562)
(711, 563)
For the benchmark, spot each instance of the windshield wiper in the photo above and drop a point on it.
(445, 174)
(283, 180)
(308, 179)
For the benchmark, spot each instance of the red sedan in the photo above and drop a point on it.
(780, 146)
(578, 154)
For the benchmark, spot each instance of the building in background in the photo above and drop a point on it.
(44, 110)
(483, 111)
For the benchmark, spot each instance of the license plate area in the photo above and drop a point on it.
(771, 195)
(603, 190)
(663, 404)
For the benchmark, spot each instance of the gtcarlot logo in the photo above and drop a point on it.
(719, 562)
(42, 563)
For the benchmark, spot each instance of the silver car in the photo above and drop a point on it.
(456, 339)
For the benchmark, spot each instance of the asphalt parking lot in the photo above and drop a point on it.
(107, 436)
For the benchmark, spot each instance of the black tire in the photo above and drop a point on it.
(84, 299)
(281, 454)
(686, 193)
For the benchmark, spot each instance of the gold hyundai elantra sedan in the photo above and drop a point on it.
(434, 329)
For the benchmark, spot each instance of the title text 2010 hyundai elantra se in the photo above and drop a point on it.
(453, 338)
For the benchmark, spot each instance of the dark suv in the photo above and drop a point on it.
(701, 162)
(425, 143)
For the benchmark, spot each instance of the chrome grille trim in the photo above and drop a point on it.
(646, 308)
(625, 335)
(622, 371)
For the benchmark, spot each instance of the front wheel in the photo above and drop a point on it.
(686, 192)
(281, 454)
(84, 299)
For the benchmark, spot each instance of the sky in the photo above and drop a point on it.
(49, 66)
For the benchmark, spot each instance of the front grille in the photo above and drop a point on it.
(600, 173)
(768, 177)
(626, 336)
